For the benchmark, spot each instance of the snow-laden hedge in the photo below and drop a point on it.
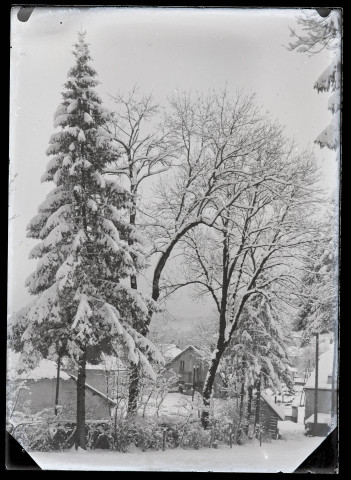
(125, 435)
(122, 433)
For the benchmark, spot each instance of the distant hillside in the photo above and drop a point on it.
(168, 328)
(183, 322)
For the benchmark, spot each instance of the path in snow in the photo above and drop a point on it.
(283, 455)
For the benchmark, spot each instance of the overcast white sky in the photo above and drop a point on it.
(161, 50)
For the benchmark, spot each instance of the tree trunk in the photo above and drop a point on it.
(134, 380)
(133, 392)
(208, 388)
(258, 403)
(57, 384)
(80, 432)
(241, 408)
(164, 257)
(249, 406)
(221, 344)
(241, 411)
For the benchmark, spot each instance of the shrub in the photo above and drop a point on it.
(45, 436)
(195, 436)
(226, 426)
(122, 433)
(144, 433)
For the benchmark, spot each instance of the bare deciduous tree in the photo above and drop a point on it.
(216, 138)
(142, 151)
(256, 245)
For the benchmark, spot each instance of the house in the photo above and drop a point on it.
(35, 390)
(325, 398)
(269, 415)
(191, 365)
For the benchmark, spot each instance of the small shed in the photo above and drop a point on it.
(270, 414)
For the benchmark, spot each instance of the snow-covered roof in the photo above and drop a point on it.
(198, 352)
(325, 370)
(109, 363)
(18, 371)
(169, 350)
(299, 382)
(95, 390)
(270, 401)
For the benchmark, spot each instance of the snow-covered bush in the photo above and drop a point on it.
(226, 426)
(142, 433)
(13, 390)
(34, 436)
(195, 436)
(99, 435)
(42, 431)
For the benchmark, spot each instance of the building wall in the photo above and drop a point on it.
(104, 382)
(41, 394)
(268, 419)
(324, 401)
(190, 360)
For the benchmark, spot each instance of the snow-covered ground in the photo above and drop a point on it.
(283, 455)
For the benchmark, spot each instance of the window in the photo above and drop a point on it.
(182, 366)
(329, 379)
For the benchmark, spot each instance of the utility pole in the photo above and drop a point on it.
(316, 385)
(57, 384)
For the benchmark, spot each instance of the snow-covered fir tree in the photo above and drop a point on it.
(318, 307)
(84, 253)
(258, 350)
(319, 33)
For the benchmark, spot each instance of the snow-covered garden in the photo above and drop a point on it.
(283, 455)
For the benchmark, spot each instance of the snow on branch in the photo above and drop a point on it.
(84, 311)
